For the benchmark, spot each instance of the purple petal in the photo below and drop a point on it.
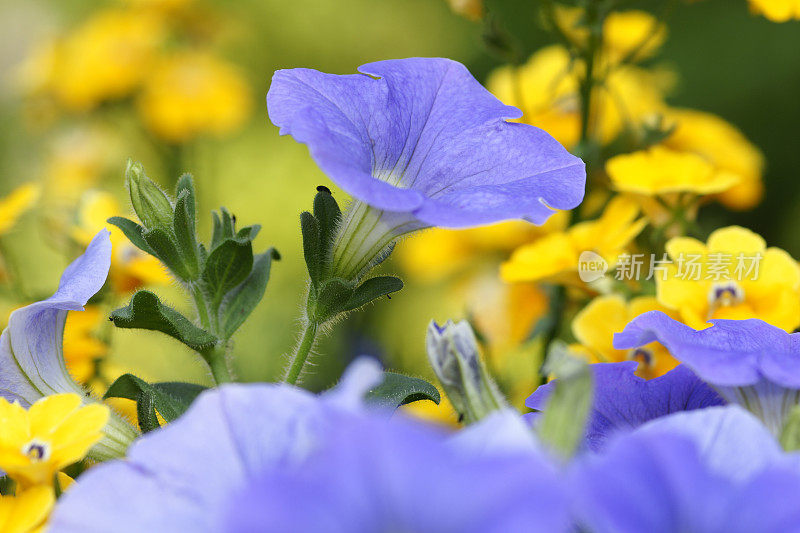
(31, 346)
(624, 401)
(426, 138)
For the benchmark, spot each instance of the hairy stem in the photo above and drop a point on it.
(301, 353)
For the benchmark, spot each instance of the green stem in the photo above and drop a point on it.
(301, 352)
(590, 57)
(218, 361)
(201, 306)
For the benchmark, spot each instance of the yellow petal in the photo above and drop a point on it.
(735, 240)
(541, 259)
(49, 413)
(26, 511)
(16, 204)
(594, 326)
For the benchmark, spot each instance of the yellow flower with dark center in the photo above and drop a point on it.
(627, 35)
(724, 147)
(594, 327)
(131, 268)
(107, 57)
(81, 347)
(546, 90)
(54, 433)
(191, 94)
(734, 276)
(555, 256)
(13, 206)
(27, 511)
(777, 10)
(659, 170)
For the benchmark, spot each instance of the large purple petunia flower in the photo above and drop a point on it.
(278, 458)
(710, 471)
(419, 142)
(748, 362)
(31, 347)
(623, 401)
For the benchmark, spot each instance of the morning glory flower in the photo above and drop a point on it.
(419, 142)
(709, 471)
(273, 457)
(623, 401)
(31, 347)
(749, 362)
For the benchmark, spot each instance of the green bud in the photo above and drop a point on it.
(151, 204)
(454, 355)
(564, 421)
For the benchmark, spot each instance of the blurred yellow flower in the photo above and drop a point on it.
(27, 511)
(659, 170)
(81, 347)
(594, 327)
(471, 9)
(546, 90)
(54, 433)
(627, 35)
(13, 206)
(555, 256)
(194, 93)
(734, 276)
(130, 267)
(106, 57)
(777, 10)
(724, 147)
(442, 414)
(434, 254)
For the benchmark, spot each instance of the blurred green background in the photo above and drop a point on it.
(739, 66)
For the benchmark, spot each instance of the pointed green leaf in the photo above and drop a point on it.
(328, 215)
(248, 233)
(312, 245)
(133, 231)
(216, 235)
(145, 311)
(185, 234)
(165, 248)
(227, 266)
(332, 298)
(397, 389)
(240, 302)
(186, 183)
(372, 289)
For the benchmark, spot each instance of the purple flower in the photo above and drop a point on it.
(419, 142)
(277, 458)
(623, 401)
(31, 347)
(709, 471)
(748, 362)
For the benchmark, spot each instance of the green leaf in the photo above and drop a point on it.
(397, 389)
(216, 235)
(186, 183)
(133, 231)
(332, 298)
(312, 245)
(328, 215)
(248, 233)
(372, 289)
(240, 302)
(145, 311)
(227, 266)
(184, 225)
(170, 399)
(166, 250)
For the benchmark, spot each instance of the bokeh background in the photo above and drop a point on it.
(729, 62)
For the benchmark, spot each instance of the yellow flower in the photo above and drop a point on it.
(734, 276)
(659, 170)
(546, 90)
(777, 10)
(442, 414)
(13, 206)
(470, 9)
(434, 254)
(633, 35)
(54, 433)
(724, 147)
(130, 267)
(27, 511)
(555, 256)
(594, 327)
(107, 57)
(193, 93)
(81, 348)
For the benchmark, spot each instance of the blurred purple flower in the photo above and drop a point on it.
(709, 471)
(623, 401)
(31, 347)
(277, 458)
(419, 142)
(749, 362)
